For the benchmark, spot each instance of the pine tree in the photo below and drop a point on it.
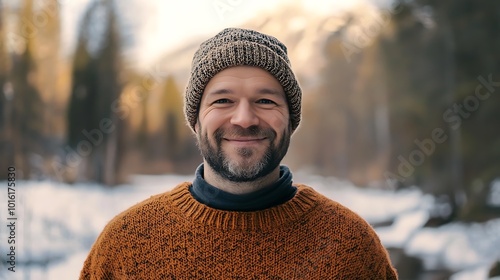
(3, 74)
(27, 115)
(6, 149)
(49, 61)
(435, 70)
(94, 129)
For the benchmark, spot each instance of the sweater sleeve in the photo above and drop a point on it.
(386, 270)
(389, 272)
(103, 262)
(369, 257)
(380, 257)
(98, 264)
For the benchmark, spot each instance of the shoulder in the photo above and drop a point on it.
(328, 205)
(152, 210)
(351, 234)
(338, 217)
(126, 232)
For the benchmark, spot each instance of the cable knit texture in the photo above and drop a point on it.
(173, 236)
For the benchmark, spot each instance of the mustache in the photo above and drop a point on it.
(238, 131)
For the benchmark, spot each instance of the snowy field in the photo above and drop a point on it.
(57, 224)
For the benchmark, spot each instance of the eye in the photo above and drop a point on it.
(222, 101)
(266, 101)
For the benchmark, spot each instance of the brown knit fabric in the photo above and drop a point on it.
(233, 47)
(172, 236)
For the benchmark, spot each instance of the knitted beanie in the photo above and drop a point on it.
(234, 47)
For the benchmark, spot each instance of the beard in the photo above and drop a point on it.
(246, 168)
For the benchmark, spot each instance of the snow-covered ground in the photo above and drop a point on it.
(57, 224)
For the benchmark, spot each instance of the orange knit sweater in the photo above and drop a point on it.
(173, 236)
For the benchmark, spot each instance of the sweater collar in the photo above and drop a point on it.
(274, 195)
(202, 215)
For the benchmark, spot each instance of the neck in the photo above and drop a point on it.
(214, 179)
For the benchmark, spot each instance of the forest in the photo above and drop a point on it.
(394, 97)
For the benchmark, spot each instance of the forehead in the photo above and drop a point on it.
(250, 77)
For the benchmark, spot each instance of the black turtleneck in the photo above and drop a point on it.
(276, 194)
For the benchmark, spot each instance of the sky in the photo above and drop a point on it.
(160, 26)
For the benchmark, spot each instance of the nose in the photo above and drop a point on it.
(244, 115)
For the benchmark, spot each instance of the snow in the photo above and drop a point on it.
(458, 246)
(57, 224)
(494, 197)
(404, 226)
(476, 273)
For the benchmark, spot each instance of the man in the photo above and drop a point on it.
(241, 218)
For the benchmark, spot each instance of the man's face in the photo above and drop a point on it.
(243, 126)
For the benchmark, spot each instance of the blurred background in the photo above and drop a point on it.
(401, 104)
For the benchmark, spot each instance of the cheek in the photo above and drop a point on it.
(209, 123)
(279, 122)
(281, 125)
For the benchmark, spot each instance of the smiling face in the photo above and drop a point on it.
(243, 126)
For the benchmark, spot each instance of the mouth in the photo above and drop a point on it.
(245, 141)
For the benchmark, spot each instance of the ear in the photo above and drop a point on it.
(197, 126)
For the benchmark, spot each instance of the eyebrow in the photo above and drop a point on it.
(270, 91)
(220, 91)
